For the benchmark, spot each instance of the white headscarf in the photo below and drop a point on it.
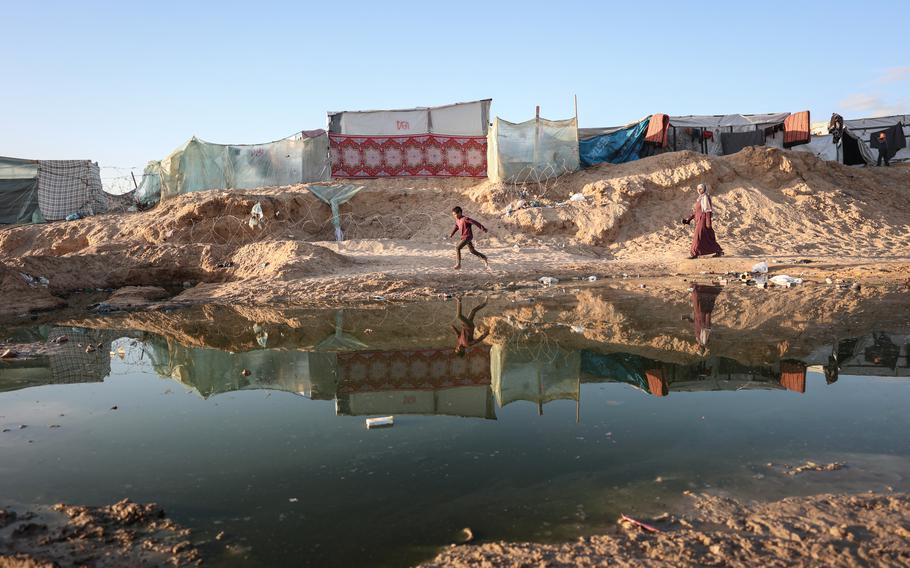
(704, 200)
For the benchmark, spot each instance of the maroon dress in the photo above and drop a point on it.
(704, 241)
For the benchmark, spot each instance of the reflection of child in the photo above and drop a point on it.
(466, 335)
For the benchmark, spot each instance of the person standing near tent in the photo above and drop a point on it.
(704, 241)
(463, 224)
(883, 149)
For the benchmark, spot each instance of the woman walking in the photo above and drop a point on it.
(704, 241)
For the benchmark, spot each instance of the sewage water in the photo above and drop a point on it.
(523, 420)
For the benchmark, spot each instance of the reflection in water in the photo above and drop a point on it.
(437, 380)
(266, 469)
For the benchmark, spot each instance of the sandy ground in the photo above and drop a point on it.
(122, 534)
(825, 530)
(770, 205)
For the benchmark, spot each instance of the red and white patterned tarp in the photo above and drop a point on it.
(408, 156)
(425, 369)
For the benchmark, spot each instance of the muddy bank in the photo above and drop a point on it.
(830, 530)
(122, 534)
(779, 206)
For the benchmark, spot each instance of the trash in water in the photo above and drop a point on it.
(382, 422)
(464, 536)
(639, 524)
(547, 280)
(760, 267)
(257, 218)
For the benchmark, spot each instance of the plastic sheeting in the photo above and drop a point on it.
(459, 119)
(200, 165)
(18, 201)
(822, 147)
(335, 196)
(619, 146)
(533, 150)
(518, 373)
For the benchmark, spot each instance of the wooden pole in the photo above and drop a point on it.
(135, 185)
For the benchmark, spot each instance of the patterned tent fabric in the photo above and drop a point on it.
(69, 186)
(425, 369)
(408, 156)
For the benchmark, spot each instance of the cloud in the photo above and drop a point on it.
(894, 75)
(869, 104)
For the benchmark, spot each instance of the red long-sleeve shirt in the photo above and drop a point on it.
(463, 224)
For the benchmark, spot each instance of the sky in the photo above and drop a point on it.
(123, 83)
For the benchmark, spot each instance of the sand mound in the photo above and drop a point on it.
(21, 298)
(767, 202)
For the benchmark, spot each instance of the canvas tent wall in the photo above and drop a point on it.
(38, 190)
(441, 141)
(866, 128)
(198, 165)
(688, 132)
(533, 150)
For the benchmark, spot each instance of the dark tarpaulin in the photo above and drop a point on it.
(850, 147)
(894, 136)
(623, 145)
(18, 200)
(733, 142)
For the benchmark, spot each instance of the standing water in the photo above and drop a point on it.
(533, 420)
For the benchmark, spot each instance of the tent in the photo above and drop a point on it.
(32, 191)
(534, 150)
(445, 141)
(612, 145)
(722, 134)
(199, 165)
(865, 131)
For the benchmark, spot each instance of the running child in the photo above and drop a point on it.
(463, 224)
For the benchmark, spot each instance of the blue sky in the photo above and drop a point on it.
(126, 82)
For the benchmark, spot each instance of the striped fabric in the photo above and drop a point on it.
(796, 129)
(657, 130)
(69, 186)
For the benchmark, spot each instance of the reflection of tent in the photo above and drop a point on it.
(211, 371)
(66, 362)
(534, 150)
(199, 165)
(423, 381)
(443, 141)
(34, 190)
(536, 375)
(879, 354)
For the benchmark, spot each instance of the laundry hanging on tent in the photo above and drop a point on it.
(733, 142)
(657, 130)
(335, 196)
(620, 146)
(796, 129)
(894, 136)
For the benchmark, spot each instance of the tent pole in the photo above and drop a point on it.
(135, 185)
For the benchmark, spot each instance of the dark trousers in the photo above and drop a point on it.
(883, 154)
(470, 245)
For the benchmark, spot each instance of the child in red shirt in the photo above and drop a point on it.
(463, 224)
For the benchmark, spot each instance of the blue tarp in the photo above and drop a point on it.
(621, 367)
(615, 148)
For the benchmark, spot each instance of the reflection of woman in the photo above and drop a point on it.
(466, 335)
(704, 241)
(703, 299)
